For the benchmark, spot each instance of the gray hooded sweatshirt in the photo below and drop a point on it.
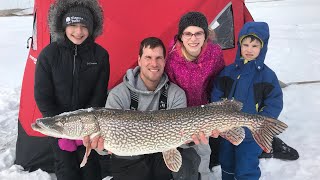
(119, 96)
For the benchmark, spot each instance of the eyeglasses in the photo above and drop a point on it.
(188, 35)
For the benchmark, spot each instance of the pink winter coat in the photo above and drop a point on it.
(195, 77)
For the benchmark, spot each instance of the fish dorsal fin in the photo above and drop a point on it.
(173, 159)
(234, 135)
(232, 105)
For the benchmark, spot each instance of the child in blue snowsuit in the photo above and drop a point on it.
(251, 82)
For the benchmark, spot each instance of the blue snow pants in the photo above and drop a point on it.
(240, 162)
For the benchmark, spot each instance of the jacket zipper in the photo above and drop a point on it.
(74, 59)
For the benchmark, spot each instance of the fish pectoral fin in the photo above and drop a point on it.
(173, 159)
(85, 157)
(234, 135)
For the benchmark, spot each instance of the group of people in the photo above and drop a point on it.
(73, 72)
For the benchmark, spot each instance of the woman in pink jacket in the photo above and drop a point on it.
(193, 62)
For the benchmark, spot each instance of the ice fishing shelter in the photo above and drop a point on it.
(126, 23)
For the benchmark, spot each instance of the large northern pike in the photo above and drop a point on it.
(128, 132)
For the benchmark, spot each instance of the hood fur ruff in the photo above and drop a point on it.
(60, 7)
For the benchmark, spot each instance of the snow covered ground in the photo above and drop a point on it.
(294, 54)
(16, 4)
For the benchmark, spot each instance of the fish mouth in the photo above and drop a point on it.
(35, 127)
(46, 128)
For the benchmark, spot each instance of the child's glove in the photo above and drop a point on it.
(69, 145)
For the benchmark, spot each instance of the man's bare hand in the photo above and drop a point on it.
(95, 143)
(201, 138)
(215, 133)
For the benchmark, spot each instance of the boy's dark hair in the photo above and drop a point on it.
(252, 38)
(152, 42)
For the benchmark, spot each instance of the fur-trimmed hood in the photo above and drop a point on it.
(60, 7)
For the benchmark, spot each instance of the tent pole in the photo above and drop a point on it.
(284, 85)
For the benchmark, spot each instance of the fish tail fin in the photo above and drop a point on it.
(265, 133)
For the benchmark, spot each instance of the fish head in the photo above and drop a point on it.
(70, 126)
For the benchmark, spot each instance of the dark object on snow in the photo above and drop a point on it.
(281, 150)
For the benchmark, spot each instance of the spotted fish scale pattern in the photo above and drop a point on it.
(128, 132)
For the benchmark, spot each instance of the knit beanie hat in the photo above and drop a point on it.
(193, 19)
(78, 14)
